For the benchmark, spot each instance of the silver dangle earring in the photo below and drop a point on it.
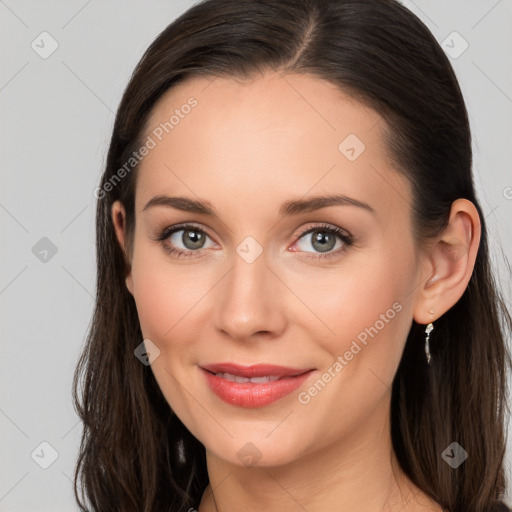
(428, 330)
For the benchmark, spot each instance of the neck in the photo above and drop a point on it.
(359, 473)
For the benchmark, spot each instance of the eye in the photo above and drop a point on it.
(187, 240)
(183, 241)
(324, 239)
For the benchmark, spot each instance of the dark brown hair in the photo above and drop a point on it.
(135, 454)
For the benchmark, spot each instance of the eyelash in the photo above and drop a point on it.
(162, 235)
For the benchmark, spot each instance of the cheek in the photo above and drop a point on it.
(367, 308)
(167, 296)
(154, 289)
(163, 298)
(154, 296)
(369, 312)
(170, 298)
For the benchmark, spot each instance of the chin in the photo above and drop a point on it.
(257, 451)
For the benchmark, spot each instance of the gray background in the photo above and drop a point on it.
(56, 119)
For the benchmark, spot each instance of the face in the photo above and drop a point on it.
(272, 276)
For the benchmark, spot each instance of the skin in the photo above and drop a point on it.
(247, 147)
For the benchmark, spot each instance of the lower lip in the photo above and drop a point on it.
(250, 394)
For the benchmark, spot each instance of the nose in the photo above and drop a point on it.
(250, 301)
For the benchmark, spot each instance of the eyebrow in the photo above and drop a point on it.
(291, 207)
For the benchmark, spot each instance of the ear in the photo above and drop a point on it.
(119, 221)
(448, 263)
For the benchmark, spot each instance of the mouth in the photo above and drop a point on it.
(253, 386)
(262, 370)
(241, 380)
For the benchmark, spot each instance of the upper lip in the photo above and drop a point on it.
(256, 370)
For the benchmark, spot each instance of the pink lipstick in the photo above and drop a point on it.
(253, 386)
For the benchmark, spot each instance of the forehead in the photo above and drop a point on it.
(271, 137)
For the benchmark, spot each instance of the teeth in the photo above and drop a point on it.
(241, 380)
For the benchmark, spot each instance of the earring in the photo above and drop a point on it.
(428, 330)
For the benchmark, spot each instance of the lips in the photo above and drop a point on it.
(253, 386)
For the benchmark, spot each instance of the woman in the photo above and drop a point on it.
(295, 308)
